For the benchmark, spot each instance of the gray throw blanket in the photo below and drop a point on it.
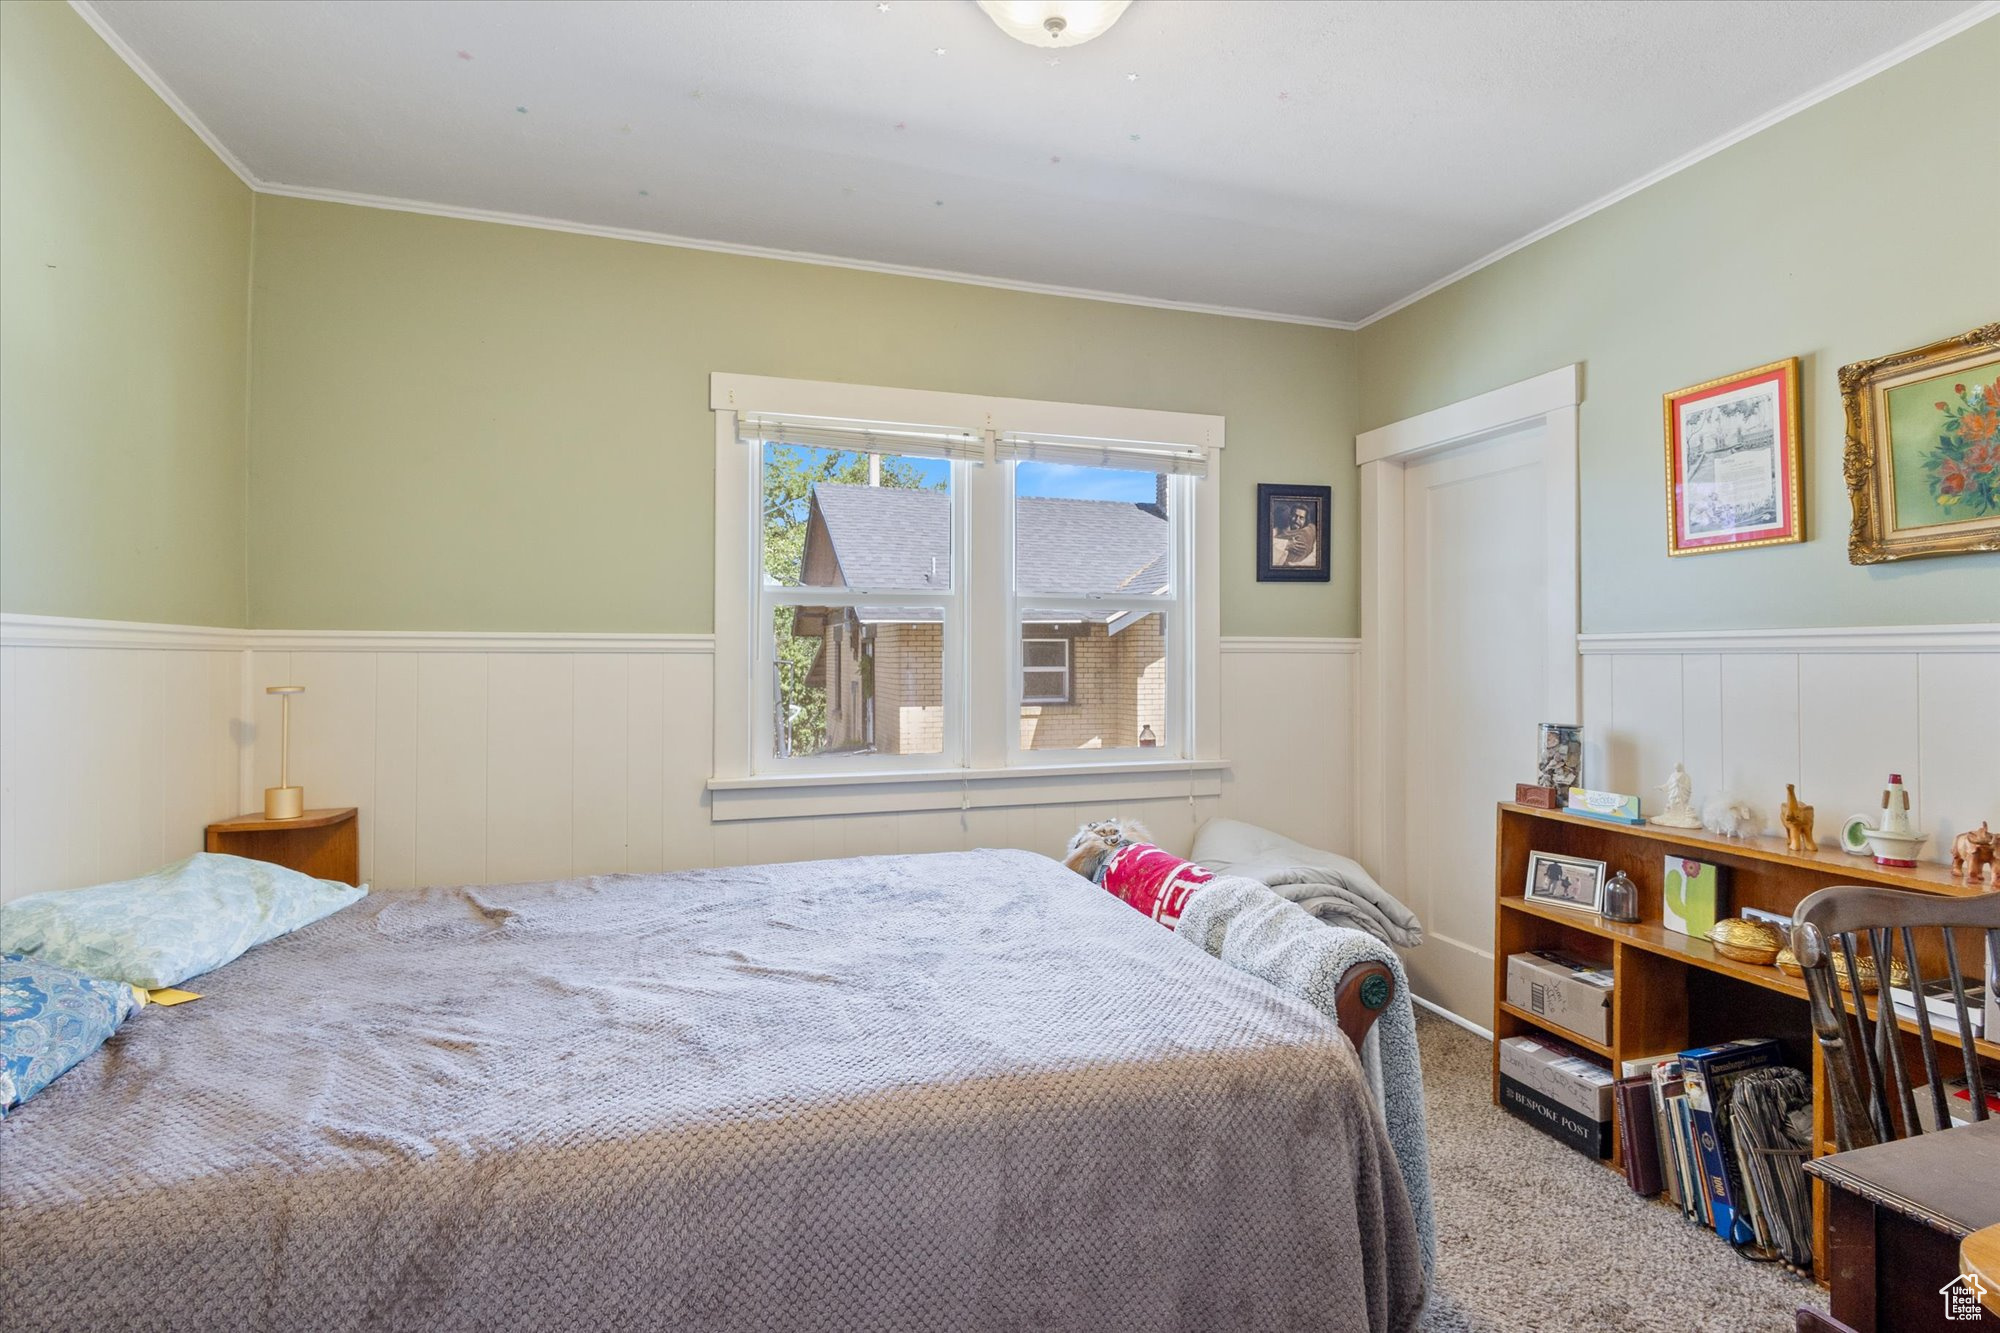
(965, 1092)
(1326, 884)
(1249, 927)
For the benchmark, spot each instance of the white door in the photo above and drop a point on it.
(1476, 533)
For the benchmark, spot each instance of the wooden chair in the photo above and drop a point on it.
(1866, 1072)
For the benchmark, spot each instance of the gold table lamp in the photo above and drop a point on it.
(284, 801)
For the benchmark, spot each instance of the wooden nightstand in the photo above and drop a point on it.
(325, 844)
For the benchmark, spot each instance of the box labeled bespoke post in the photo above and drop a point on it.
(1559, 1090)
(1571, 992)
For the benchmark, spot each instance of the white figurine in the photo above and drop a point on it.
(1730, 817)
(1680, 811)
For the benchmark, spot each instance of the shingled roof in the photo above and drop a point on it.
(894, 540)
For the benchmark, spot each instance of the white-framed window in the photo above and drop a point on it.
(859, 581)
(920, 589)
(1101, 553)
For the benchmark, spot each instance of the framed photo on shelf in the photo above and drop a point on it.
(1294, 525)
(1923, 449)
(1565, 881)
(1734, 462)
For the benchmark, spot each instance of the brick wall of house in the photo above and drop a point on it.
(1146, 655)
(1118, 685)
(909, 689)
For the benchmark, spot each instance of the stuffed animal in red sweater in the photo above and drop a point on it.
(1119, 855)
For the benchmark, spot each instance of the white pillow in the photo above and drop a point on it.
(160, 929)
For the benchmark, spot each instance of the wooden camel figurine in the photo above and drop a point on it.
(1798, 821)
(1972, 855)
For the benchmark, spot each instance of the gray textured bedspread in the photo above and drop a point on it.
(966, 1091)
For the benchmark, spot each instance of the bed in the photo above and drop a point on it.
(958, 1091)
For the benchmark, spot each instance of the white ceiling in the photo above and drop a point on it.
(1319, 161)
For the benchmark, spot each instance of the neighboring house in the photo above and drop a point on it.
(1088, 681)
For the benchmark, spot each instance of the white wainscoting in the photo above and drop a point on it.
(118, 745)
(514, 757)
(1834, 711)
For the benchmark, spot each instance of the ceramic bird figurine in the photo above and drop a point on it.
(1798, 821)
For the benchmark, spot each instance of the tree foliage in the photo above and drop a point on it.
(790, 473)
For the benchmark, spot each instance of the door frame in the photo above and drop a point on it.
(1383, 455)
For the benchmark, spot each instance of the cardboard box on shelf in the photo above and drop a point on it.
(1571, 992)
(1559, 1090)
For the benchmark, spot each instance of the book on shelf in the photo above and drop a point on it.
(1698, 1205)
(1644, 1064)
(1709, 1073)
(1779, 920)
(1638, 1134)
(1942, 1003)
(1669, 1108)
(1670, 1181)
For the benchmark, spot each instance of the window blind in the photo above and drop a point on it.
(1184, 460)
(863, 437)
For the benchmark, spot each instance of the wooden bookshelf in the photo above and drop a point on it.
(1672, 992)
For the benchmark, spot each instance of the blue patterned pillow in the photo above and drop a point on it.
(51, 1019)
(173, 924)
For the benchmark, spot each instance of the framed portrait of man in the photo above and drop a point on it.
(1294, 530)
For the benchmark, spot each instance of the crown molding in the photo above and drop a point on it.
(1978, 637)
(1965, 20)
(1917, 45)
(88, 13)
(538, 223)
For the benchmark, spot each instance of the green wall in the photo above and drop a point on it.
(462, 425)
(1865, 225)
(124, 259)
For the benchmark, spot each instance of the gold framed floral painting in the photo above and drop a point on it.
(1923, 449)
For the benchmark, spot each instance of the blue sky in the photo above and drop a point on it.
(1065, 480)
(1084, 483)
(1060, 479)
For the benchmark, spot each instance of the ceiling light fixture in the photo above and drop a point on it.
(1054, 22)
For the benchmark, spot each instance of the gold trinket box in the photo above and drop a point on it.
(1746, 941)
(1899, 975)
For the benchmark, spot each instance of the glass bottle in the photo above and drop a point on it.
(1621, 898)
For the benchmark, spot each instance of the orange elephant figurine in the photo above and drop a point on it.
(1972, 855)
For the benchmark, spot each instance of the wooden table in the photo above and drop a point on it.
(325, 844)
(1898, 1213)
(1979, 1256)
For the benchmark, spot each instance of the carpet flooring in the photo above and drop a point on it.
(1533, 1236)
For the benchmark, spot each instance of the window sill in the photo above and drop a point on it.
(803, 795)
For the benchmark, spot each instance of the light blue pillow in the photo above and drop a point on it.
(173, 924)
(51, 1019)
